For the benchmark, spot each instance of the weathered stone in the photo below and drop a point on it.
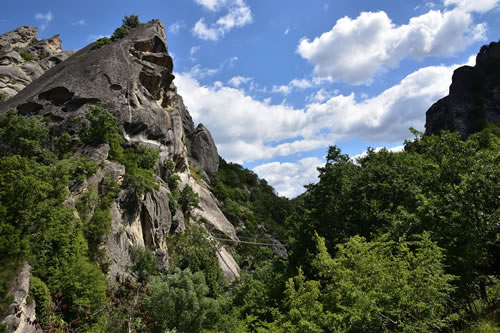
(25, 58)
(474, 97)
(20, 37)
(204, 151)
(21, 315)
(229, 266)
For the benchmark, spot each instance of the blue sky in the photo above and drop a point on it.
(278, 81)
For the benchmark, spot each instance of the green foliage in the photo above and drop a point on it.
(3, 97)
(139, 165)
(35, 226)
(101, 42)
(129, 22)
(442, 184)
(102, 128)
(20, 135)
(40, 293)
(180, 302)
(377, 286)
(250, 204)
(194, 251)
(144, 263)
(188, 199)
(26, 55)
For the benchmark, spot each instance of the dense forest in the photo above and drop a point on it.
(403, 242)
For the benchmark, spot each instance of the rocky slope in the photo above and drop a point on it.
(24, 58)
(474, 97)
(131, 78)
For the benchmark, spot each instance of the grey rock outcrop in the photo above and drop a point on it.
(23, 58)
(474, 97)
(21, 315)
(132, 78)
(204, 151)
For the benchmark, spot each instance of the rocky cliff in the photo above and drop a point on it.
(474, 97)
(132, 79)
(24, 58)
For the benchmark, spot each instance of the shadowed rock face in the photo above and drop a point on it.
(132, 78)
(474, 97)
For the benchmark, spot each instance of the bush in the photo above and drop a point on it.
(101, 42)
(26, 55)
(180, 303)
(188, 200)
(3, 97)
(144, 263)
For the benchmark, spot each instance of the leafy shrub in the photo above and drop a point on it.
(101, 42)
(139, 165)
(188, 200)
(194, 251)
(40, 293)
(20, 135)
(26, 55)
(144, 263)
(129, 22)
(3, 97)
(180, 302)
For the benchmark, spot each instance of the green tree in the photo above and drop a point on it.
(179, 302)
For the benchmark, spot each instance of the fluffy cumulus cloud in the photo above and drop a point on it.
(288, 179)
(257, 130)
(294, 84)
(238, 14)
(237, 81)
(354, 50)
(44, 19)
(480, 6)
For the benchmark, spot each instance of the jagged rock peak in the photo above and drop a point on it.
(132, 78)
(474, 97)
(23, 58)
(20, 37)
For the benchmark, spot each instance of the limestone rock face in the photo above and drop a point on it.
(474, 97)
(23, 58)
(131, 78)
(21, 314)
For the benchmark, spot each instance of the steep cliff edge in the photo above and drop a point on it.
(132, 79)
(474, 97)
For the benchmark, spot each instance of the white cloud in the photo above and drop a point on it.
(294, 84)
(354, 50)
(201, 30)
(257, 130)
(44, 19)
(238, 15)
(199, 72)
(79, 22)
(288, 179)
(212, 5)
(480, 6)
(286, 31)
(193, 50)
(236, 81)
(175, 27)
